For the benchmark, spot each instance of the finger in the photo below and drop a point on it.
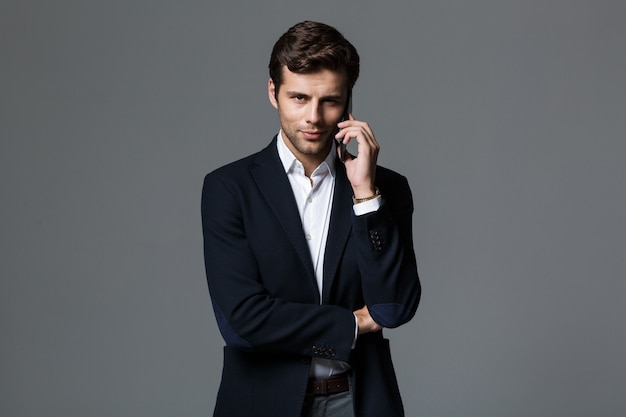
(362, 136)
(352, 132)
(351, 124)
(347, 122)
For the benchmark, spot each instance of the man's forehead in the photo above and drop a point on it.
(323, 78)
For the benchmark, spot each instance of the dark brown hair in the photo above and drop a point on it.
(309, 47)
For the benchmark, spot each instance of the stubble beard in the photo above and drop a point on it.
(302, 146)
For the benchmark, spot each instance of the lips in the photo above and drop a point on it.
(312, 134)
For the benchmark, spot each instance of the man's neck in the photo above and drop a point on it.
(309, 162)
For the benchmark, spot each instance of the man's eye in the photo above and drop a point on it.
(299, 98)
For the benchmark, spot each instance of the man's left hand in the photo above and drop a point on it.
(361, 169)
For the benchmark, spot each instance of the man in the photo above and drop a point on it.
(308, 249)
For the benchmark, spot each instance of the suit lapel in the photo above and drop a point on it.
(271, 179)
(339, 229)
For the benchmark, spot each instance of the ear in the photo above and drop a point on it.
(271, 92)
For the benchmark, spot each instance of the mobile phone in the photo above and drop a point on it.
(346, 112)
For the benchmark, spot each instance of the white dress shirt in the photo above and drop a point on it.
(314, 197)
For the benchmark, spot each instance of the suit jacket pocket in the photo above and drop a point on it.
(376, 387)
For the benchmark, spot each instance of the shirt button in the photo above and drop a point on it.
(310, 200)
(308, 237)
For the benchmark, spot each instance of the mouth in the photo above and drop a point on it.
(312, 134)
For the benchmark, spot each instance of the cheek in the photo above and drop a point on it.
(333, 116)
(289, 114)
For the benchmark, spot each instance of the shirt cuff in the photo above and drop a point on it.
(356, 330)
(368, 206)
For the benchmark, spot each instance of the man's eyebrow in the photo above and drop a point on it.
(333, 97)
(296, 93)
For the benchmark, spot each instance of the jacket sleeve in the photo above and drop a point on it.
(387, 263)
(250, 318)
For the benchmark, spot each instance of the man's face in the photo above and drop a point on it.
(309, 108)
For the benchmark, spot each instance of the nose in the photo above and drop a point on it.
(314, 113)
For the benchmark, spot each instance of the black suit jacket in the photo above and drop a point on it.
(265, 296)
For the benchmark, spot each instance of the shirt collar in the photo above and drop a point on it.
(289, 160)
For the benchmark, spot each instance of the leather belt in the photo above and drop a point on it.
(327, 386)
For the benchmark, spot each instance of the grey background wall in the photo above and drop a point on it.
(506, 116)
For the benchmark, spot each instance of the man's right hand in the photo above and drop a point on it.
(365, 322)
